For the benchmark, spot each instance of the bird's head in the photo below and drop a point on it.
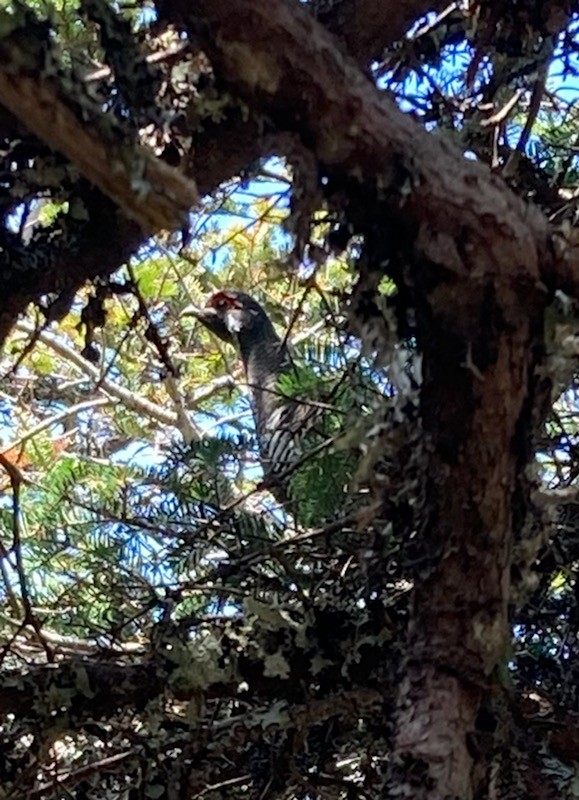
(238, 319)
(234, 317)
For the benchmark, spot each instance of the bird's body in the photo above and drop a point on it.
(308, 428)
(280, 422)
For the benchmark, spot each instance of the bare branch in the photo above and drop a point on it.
(130, 400)
(176, 419)
(71, 411)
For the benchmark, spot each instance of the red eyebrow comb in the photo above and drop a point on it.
(218, 297)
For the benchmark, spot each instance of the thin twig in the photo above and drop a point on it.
(16, 480)
(54, 420)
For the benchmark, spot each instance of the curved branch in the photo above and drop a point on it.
(151, 192)
(288, 67)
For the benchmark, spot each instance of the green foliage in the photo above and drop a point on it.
(320, 486)
(262, 646)
(340, 389)
(103, 539)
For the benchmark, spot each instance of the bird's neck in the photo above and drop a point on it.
(265, 358)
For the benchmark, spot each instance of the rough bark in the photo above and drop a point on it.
(474, 411)
(479, 251)
(148, 191)
(220, 150)
(481, 256)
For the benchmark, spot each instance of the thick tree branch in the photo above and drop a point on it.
(108, 687)
(288, 67)
(149, 191)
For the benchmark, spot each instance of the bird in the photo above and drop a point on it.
(282, 422)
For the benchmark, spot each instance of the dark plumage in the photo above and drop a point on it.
(238, 319)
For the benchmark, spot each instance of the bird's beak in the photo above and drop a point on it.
(194, 311)
(211, 319)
